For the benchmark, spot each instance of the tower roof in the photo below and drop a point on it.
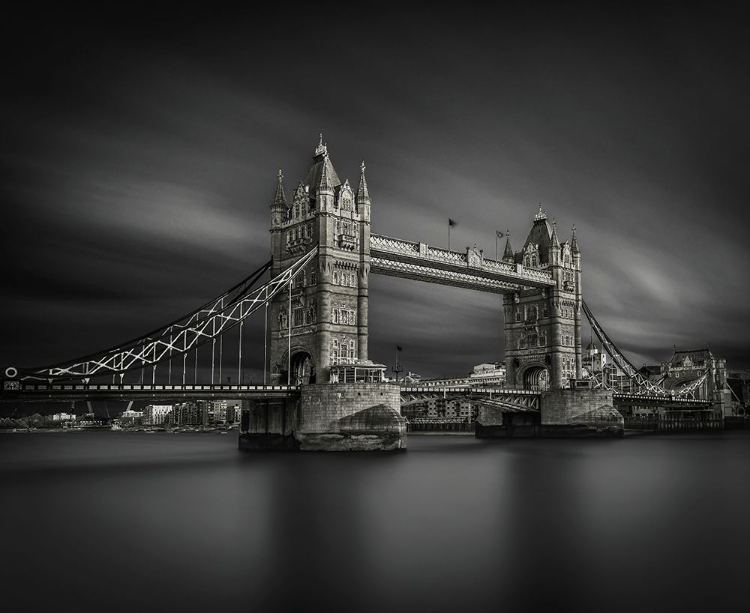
(322, 171)
(540, 234)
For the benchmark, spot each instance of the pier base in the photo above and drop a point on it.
(576, 413)
(327, 417)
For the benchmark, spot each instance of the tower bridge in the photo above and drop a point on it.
(323, 391)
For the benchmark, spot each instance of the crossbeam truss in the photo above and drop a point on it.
(644, 385)
(203, 325)
(421, 262)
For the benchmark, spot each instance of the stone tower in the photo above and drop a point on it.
(326, 322)
(543, 326)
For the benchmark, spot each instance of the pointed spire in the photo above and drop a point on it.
(553, 239)
(325, 177)
(280, 197)
(574, 243)
(540, 214)
(322, 149)
(363, 194)
(508, 255)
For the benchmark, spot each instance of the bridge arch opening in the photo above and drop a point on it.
(535, 378)
(303, 369)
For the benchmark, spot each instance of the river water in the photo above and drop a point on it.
(121, 521)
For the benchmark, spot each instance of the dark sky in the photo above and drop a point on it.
(140, 150)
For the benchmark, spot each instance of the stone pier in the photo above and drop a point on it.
(571, 412)
(360, 414)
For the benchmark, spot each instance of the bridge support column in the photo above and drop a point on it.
(269, 424)
(580, 412)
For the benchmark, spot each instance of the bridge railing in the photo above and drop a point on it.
(148, 387)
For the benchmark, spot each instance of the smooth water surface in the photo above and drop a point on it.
(120, 521)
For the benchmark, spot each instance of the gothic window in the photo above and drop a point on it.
(518, 315)
(352, 352)
(344, 317)
(352, 318)
(335, 351)
(346, 203)
(296, 210)
(313, 277)
(532, 313)
(344, 353)
(298, 316)
(335, 316)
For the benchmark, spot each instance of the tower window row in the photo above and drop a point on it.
(343, 351)
(298, 233)
(344, 316)
(347, 279)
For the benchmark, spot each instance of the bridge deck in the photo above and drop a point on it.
(77, 391)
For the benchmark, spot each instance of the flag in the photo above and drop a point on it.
(451, 222)
(398, 348)
(498, 233)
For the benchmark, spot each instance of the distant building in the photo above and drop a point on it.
(492, 373)
(593, 359)
(234, 411)
(687, 366)
(739, 386)
(187, 414)
(130, 417)
(156, 414)
(63, 417)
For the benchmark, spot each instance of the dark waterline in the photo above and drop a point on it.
(117, 521)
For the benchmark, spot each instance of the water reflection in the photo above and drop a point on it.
(103, 521)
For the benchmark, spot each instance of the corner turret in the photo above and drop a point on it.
(278, 206)
(363, 195)
(508, 255)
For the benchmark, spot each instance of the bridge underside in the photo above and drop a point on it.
(499, 398)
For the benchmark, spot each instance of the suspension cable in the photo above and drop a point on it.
(182, 336)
